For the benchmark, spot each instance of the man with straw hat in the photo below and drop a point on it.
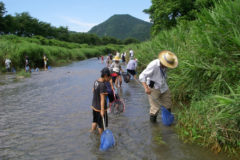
(153, 79)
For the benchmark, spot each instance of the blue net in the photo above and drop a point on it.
(167, 117)
(107, 140)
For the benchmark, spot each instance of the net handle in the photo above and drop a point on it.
(104, 126)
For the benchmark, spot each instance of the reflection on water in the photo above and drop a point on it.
(48, 116)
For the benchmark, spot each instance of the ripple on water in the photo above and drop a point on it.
(48, 116)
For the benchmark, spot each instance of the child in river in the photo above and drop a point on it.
(116, 67)
(99, 103)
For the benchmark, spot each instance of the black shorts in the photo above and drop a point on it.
(132, 72)
(97, 118)
(111, 97)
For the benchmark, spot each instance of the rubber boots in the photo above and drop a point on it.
(153, 118)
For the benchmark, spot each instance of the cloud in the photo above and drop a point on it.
(78, 25)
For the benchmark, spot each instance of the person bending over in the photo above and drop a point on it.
(154, 80)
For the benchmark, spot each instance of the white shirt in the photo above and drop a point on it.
(7, 63)
(154, 73)
(132, 65)
(116, 67)
(131, 53)
(122, 55)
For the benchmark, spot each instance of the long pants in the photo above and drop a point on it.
(158, 99)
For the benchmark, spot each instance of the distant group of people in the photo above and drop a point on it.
(9, 68)
(153, 79)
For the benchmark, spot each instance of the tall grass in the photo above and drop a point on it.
(57, 52)
(209, 60)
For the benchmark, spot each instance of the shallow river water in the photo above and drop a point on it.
(48, 116)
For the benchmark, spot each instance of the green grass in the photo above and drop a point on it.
(57, 52)
(209, 60)
(23, 74)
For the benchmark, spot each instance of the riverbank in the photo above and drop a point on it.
(206, 83)
(57, 52)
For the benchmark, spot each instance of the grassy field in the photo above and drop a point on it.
(57, 52)
(206, 85)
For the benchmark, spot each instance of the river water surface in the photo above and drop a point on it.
(48, 116)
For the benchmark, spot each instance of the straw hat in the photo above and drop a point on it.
(116, 58)
(168, 59)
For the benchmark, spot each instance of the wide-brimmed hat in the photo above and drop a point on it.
(116, 58)
(168, 59)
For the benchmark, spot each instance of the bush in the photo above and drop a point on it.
(209, 60)
(57, 52)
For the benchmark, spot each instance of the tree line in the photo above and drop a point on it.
(166, 14)
(23, 24)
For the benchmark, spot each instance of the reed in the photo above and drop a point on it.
(209, 60)
(57, 52)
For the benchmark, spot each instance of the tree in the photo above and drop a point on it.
(2, 9)
(130, 40)
(22, 24)
(110, 40)
(165, 14)
(9, 25)
(2, 12)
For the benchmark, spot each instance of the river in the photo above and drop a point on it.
(48, 116)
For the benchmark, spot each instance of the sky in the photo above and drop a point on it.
(77, 15)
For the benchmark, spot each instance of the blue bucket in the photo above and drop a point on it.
(167, 117)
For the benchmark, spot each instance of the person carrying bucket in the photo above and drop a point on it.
(99, 104)
(154, 78)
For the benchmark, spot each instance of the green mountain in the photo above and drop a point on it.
(123, 26)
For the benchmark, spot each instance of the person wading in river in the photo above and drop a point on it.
(45, 59)
(131, 67)
(116, 67)
(99, 104)
(153, 79)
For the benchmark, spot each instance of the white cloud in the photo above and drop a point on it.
(78, 25)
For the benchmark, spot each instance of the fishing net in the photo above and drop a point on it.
(117, 106)
(107, 138)
(167, 117)
(126, 77)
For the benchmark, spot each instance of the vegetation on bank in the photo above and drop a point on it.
(206, 85)
(57, 52)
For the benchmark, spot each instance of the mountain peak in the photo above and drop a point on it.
(123, 26)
